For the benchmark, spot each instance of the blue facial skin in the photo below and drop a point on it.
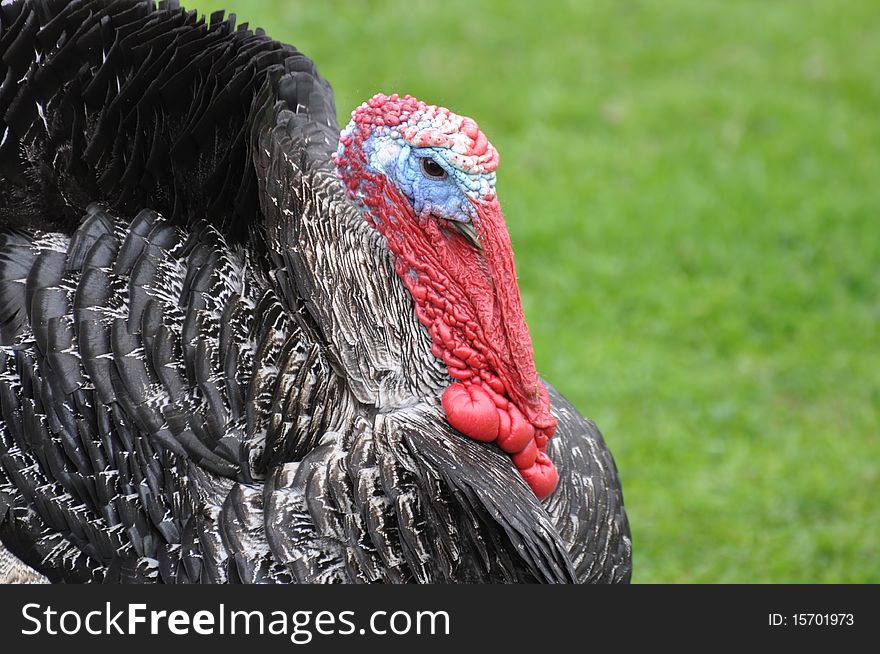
(449, 198)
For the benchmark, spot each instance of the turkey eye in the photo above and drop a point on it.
(432, 169)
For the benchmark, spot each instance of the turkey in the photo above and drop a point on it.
(240, 346)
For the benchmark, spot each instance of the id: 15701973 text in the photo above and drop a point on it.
(811, 620)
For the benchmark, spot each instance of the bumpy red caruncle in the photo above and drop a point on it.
(466, 297)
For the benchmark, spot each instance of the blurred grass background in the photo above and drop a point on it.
(692, 192)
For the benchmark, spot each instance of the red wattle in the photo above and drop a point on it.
(503, 422)
(541, 476)
(520, 433)
(471, 411)
(542, 437)
(526, 457)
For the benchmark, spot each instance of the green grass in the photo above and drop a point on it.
(692, 192)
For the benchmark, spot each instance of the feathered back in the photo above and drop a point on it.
(187, 92)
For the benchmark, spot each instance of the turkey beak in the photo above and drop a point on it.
(468, 231)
